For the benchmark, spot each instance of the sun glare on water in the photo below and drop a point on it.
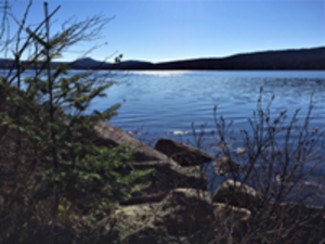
(161, 73)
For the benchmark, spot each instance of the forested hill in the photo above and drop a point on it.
(298, 59)
(269, 60)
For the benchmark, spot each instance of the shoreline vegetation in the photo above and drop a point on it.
(168, 202)
(68, 176)
(296, 59)
(174, 205)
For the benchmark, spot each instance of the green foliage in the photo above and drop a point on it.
(103, 178)
(51, 171)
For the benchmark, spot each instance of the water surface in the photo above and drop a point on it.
(165, 104)
(169, 103)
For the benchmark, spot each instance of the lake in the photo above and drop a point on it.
(174, 104)
(166, 103)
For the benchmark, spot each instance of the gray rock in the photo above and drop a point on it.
(184, 214)
(225, 165)
(183, 154)
(167, 173)
(165, 178)
(111, 136)
(237, 194)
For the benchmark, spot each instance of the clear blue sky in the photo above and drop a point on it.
(160, 30)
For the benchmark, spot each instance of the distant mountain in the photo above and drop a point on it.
(310, 59)
(89, 63)
(296, 59)
(288, 59)
(134, 65)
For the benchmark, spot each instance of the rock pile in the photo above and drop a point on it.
(176, 208)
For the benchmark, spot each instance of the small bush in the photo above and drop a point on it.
(278, 154)
(55, 182)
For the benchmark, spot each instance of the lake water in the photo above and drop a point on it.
(168, 103)
(159, 104)
(165, 104)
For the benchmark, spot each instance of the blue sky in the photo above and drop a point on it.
(161, 30)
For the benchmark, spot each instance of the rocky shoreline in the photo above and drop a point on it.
(177, 208)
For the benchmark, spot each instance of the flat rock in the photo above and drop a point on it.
(111, 136)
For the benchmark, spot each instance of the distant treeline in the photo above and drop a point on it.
(302, 59)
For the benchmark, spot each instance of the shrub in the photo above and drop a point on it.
(279, 152)
(53, 177)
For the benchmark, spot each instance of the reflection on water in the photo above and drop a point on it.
(162, 103)
(171, 104)
(167, 104)
(160, 73)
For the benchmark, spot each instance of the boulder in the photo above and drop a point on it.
(225, 165)
(111, 136)
(189, 216)
(237, 194)
(193, 209)
(184, 215)
(183, 154)
(167, 173)
(165, 178)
